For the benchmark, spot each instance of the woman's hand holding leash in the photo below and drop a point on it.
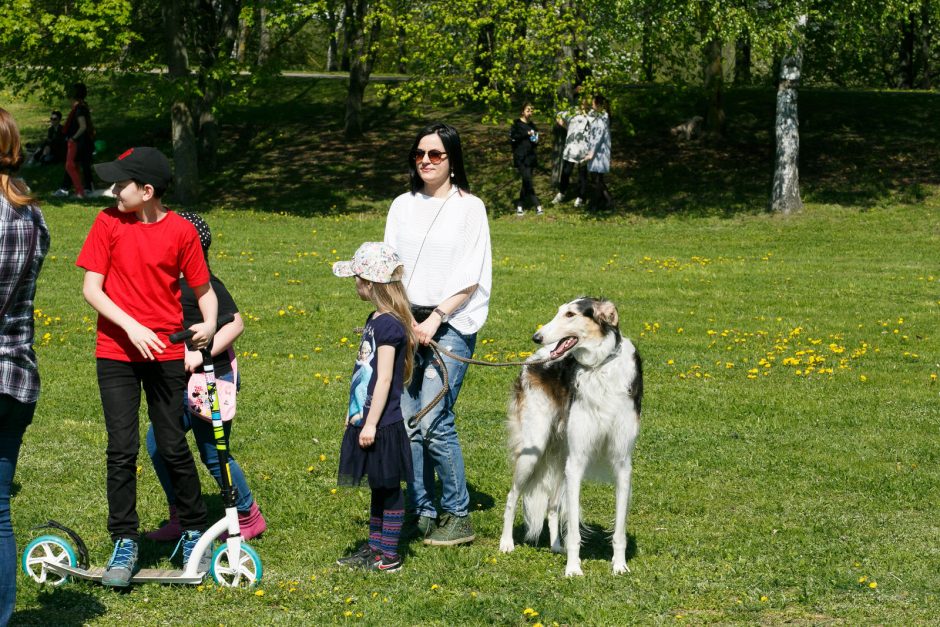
(424, 332)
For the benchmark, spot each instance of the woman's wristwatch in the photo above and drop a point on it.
(444, 317)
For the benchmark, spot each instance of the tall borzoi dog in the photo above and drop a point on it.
(569, 415)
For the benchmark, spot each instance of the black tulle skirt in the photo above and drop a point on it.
(387, 463)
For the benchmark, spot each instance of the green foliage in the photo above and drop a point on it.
(47, 45)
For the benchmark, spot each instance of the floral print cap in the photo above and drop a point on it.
(374, 261)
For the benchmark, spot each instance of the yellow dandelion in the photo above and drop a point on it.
(862, 579)
(349, 600)
(309, 468)
(862, 378)
(434, 586)
(873, 585)
(322, 458)
(281, 312)
(763, 599)
(259, 593)
(332, 490)
(347, 613)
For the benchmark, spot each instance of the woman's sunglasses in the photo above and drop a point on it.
(434, 156)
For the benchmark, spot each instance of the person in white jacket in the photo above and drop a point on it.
(441, 233)
(599, 155)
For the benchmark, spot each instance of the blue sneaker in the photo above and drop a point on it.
(188, 541)
(122, 565)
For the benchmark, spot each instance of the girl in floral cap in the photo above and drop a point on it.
(375, 443)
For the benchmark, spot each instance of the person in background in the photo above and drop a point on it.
(24, 242)
(525, 138)
(440, 231)
(599, 156)
(576, 150)
(52, 149)
(80, 146)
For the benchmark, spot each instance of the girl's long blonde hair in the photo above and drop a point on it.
(392, 297)
(11, 158)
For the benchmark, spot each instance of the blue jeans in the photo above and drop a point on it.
(14, 418)
(434, 444)
(205, 442)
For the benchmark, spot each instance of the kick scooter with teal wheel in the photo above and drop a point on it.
(50, 559)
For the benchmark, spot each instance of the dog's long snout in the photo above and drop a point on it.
(537, 338)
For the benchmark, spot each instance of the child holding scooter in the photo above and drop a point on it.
(375, 443)
(133, 258)
(196, 416)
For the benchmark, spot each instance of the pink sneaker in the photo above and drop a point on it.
(170, 532)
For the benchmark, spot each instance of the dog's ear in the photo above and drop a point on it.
(606, 312)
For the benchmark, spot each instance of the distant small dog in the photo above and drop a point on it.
(565, 417)
(689, 129)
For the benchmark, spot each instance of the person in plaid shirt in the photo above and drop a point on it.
(24, 242)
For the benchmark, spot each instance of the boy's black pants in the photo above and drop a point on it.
(164, 383)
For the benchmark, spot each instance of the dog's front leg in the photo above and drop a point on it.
(574, 473)
(623, 472)
(506, 543)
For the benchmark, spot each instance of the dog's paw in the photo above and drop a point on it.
(573, 570)
(506, 545)
(620, 568)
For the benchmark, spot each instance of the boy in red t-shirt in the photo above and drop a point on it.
(133, 258)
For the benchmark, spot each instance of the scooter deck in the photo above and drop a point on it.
(145, 575)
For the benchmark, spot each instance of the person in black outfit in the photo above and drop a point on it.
(524, 137)
(52, 148)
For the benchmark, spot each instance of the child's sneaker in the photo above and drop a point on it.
(385, 564)
(60, 193)
(578, 202)
(519, 211)
(539, 212)
(558, 198)
(122, 565)
(188, 541)
(360, 558)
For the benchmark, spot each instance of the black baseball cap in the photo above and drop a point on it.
(145, 164)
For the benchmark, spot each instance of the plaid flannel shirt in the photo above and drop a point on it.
(19, 375)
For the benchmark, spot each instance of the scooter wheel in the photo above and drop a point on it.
(47, 549)
(241, 572)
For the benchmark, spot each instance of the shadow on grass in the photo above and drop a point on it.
(61, 606)
(595, 541)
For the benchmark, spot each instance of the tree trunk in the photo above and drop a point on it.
(742, 59)
(185, 153)
(785, 195)
(241, 45)
(264, 36)
(926, 43)
(714, 88)
(483, 57)
(906, 53)
(362, 31)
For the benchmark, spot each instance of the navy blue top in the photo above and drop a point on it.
(381, 330)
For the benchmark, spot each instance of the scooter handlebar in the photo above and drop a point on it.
(185, 334)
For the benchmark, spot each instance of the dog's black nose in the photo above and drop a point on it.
(537, 338)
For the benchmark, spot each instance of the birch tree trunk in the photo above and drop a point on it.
(785, 195)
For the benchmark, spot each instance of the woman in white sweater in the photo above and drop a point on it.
(441, 233)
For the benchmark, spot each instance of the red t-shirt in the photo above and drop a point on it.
(141, 264)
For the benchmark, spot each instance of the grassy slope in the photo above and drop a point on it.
(761, 499)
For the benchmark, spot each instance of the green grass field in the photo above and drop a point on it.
(787, 465)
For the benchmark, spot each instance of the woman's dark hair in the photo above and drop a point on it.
(601, 102)
(451, 140)
(524, 105)
(79, 91)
